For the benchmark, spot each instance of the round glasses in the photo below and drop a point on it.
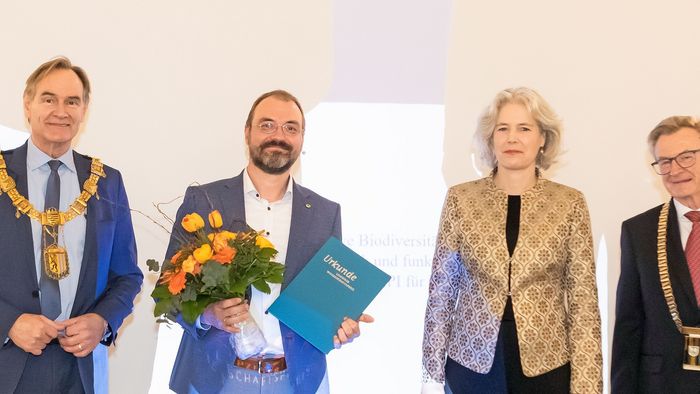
(270, 126)
(684, 160)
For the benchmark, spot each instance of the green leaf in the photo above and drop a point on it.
(238, 287)
(262, 286)
(266, 253)
(163, 306)
(275, 277)
(161, 292)
(255, 272)
(153, 265)
(204, 301)
(214, 274)
(190, 311)
(189, 294)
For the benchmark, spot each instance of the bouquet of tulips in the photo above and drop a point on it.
(209, 267)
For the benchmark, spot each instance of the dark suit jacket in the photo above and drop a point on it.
(109, 277)
(647, 352)
(205, 357)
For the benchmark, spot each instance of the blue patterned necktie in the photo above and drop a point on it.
(50, 292)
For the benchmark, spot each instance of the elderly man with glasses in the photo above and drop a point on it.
(657, 329)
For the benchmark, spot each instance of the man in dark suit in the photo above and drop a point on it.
(298, 222)
(648, 347)
(67, 257)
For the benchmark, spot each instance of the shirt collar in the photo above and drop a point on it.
(681, 210)
(249, 188)
(36, 158)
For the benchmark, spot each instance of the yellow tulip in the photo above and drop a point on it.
(188, 265)
(203, 253)
(227, 235)
(215, 219)
(263, 242)
(192, 222)
(221, 236)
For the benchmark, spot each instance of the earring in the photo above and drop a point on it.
(542, 150)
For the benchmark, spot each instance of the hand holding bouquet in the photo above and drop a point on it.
(209, 267)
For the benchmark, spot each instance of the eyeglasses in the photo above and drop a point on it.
(684, 160)
(270, 126)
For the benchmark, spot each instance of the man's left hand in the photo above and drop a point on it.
(82, 334)
(349, 330)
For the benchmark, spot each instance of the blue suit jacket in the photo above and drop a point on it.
(647, 351)
(109, 277)
(205, 357)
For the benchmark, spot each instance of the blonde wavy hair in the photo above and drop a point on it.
(547, 121)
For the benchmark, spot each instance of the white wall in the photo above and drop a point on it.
(173, 82)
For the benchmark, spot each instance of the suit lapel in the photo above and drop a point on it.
(678, 266)
(232, 204)
(302, 217)
(84, 294)
(17, 169)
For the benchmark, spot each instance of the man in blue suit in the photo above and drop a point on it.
(67, 256)
(298, 222)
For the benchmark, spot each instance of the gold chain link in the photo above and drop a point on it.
(52, 217)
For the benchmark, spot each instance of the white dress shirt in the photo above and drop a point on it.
(71, 235)
(275, 218)
(684, 224)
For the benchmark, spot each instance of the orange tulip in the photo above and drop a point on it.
(192, 222)
(165, 277)
(177, 283)
(215, 220)
(225, 255)
(176, 256)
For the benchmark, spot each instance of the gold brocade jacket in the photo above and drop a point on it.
(553, 283)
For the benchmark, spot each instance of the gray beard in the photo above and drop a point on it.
(274, 163)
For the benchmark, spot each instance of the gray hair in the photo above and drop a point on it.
(547, 121)
(669, 126)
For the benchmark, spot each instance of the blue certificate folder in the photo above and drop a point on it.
(335, 283)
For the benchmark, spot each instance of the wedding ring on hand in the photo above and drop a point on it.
(80, 346)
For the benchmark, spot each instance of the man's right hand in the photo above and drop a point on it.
(32, 333)
(225, 314)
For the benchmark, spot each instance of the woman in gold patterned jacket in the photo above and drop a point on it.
(512, 304)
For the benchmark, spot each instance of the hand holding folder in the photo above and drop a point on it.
(332, 291)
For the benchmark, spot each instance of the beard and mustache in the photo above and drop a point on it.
(273, 163)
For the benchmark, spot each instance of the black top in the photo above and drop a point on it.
(512, 230)
(512, 224)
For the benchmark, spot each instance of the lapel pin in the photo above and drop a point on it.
(308, 205)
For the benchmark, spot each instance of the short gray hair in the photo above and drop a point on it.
(547, 121)
(669, 126)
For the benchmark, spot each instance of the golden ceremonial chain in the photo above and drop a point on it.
(691, 335)
(55, 257)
